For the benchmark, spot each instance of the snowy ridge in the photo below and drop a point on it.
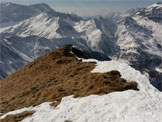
(155, 5)
(153, 12)
(47, 27)
(135, 106)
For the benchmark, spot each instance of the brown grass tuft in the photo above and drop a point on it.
(68, 121)
(17, 117)
(54, 76)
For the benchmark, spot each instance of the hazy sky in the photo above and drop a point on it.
(89, 7)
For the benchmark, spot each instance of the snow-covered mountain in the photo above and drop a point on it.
(46, 31)
(12, 13)
(135, 38)
(97, 33)
(140, 41)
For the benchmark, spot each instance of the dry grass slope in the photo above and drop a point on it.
(54, 76)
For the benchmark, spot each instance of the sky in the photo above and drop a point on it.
(89, 7)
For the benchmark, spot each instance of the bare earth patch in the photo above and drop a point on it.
(54, 76)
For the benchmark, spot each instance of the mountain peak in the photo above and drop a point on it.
(152, 12)
(159, 3)
(155, 5)
(6, 3)
(43, 7)
(41, 4)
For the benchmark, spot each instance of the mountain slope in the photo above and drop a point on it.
(8, 55)
(136, 106)
(139, 39)
(54, 76)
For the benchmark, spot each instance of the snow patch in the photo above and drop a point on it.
(159, 70)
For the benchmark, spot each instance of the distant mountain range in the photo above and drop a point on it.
(28, 32)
